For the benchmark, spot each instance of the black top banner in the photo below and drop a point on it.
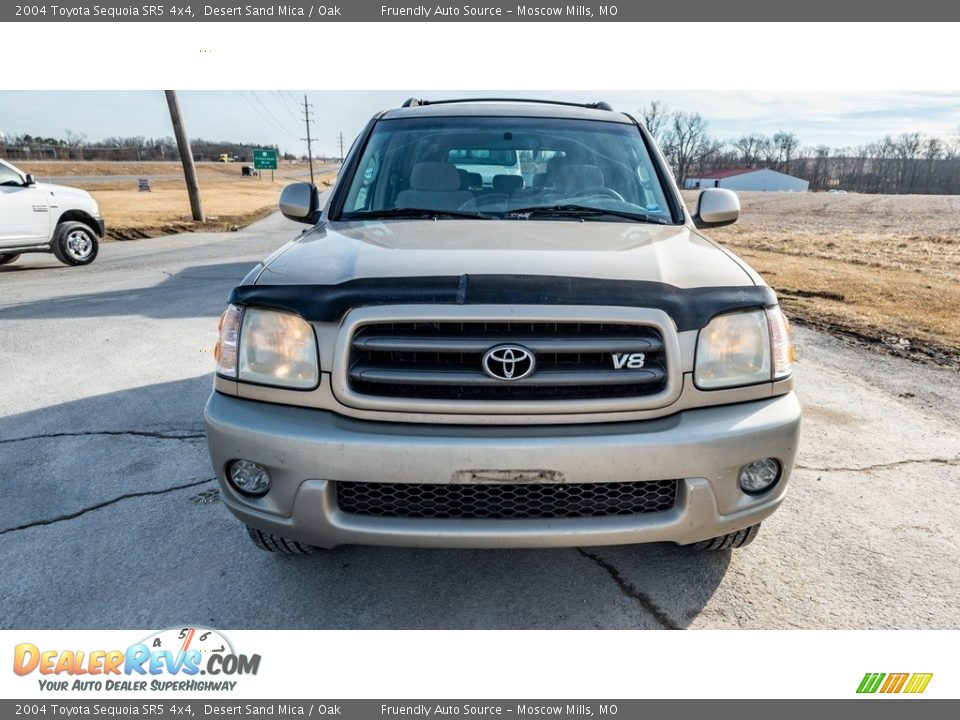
(481, 11)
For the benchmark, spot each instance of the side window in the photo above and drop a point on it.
(9, 177)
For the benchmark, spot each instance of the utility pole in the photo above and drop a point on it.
(341, 148)
(186, 156)
(306, 114)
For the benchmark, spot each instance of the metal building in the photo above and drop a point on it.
(747, 179)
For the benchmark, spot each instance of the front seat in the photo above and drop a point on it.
(507, 184)
(574, 178)
(434, 186)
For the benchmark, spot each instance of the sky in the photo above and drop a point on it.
(273, 117)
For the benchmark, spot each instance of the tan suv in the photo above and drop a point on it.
(558, 358)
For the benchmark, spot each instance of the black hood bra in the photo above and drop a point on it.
(690, 308)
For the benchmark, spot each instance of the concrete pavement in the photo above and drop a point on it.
(109, 515)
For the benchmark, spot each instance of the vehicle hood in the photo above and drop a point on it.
(65, 192)
(337, 252)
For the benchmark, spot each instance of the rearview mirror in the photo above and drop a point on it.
(717, 207)
(301, 202)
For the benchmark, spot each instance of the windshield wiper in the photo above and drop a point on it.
(415, 213)
(581, 211)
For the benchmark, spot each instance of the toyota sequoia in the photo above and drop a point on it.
(550, 355)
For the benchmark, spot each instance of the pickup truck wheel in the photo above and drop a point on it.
(276, 544)
(75, 243)
(737, 539)
(7, 259)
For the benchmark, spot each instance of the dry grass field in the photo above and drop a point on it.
(229, 200)
(61, 168)
(882, 269)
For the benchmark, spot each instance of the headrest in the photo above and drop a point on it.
(574, 177)
(507, 184)
(474, 180)
(556, 162)
(540, 180)
(434, 176)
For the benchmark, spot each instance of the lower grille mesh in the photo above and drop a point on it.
(497, 501)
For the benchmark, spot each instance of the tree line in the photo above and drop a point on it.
(137, 148)
(907, 163)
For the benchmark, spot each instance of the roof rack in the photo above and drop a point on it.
(417, 102)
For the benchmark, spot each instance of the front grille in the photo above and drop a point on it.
(506, 501)
(443, 361)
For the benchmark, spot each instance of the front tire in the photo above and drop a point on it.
(738, 539)
(75, 243)
(282, 546)
(7, 259)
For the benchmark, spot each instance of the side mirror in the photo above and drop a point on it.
(716, 207)
(301, 202)
(29, 180)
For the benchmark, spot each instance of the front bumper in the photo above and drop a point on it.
(306, 451)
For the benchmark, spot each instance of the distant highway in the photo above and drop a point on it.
(293, 174)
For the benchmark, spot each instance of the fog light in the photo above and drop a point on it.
(248, 477)
(760, 475)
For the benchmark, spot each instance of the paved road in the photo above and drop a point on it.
(108, 516)
(285, 172)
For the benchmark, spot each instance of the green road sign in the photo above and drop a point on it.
(265, 159)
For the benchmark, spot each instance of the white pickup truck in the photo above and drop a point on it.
(39, 217)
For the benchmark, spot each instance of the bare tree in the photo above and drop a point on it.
(655, 118)
(686, 142)
(786, 144)
(752, 148)
(75, 143)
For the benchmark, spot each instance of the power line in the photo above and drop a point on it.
(270, 113)
(266, 119)
(257, 110)
(285, 104)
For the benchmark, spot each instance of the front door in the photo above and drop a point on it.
(24, 211)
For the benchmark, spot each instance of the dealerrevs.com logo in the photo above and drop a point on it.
(168, 660)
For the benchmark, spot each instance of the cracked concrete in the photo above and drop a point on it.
(642, 599)
(102, 454)
(115, 433)
(106, 503)
(952, 462)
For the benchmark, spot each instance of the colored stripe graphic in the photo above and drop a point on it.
(870, 682)
(918, 682)
(895, 682)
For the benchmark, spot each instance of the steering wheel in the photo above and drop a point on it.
(600, 190)
(483, 201)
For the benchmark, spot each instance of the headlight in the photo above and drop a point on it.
(733, 350)
(267, 347)
(743, 348)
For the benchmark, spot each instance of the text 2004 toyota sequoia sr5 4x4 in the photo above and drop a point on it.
(545, 356)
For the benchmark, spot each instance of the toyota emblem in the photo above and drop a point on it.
(509, 362)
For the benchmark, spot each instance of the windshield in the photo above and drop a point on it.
(508, 168)
(9, 175)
